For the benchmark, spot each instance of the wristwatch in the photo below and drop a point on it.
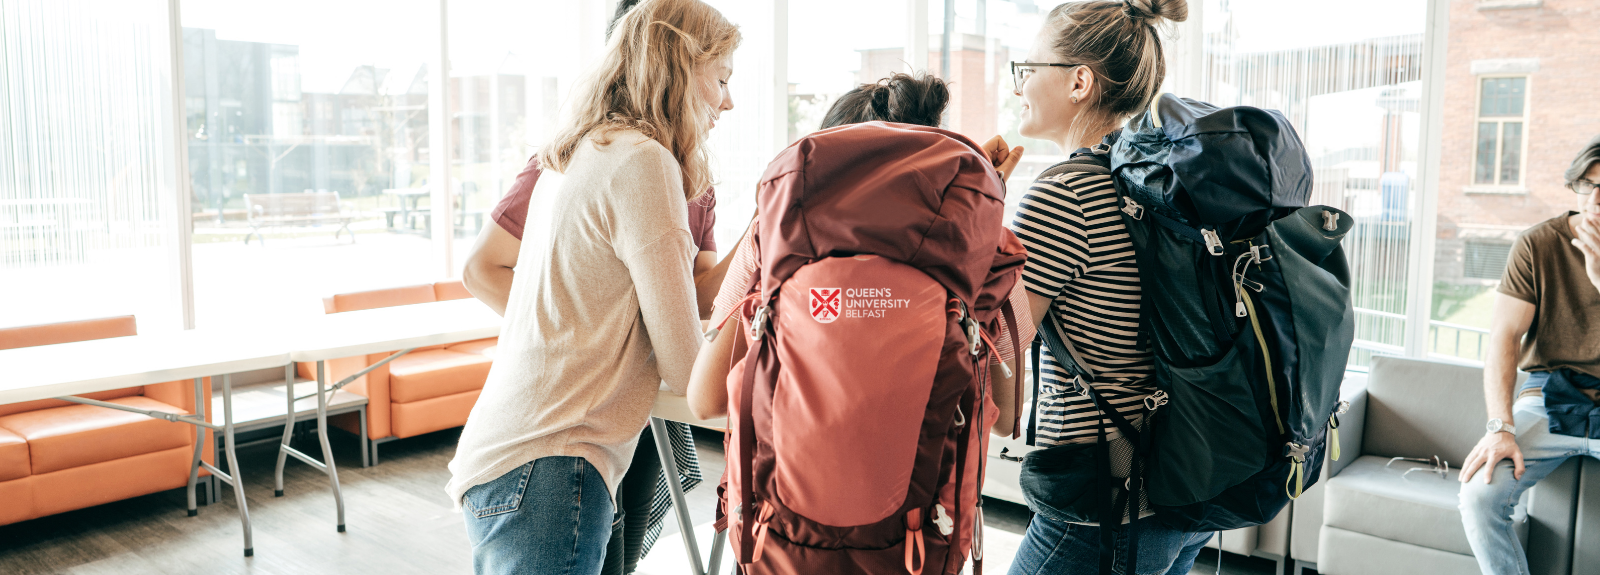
(1496, 426)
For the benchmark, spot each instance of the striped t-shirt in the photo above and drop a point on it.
(1079, 253)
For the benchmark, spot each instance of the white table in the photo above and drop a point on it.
(358, 333)
(64, 371)
(59, 371)
(673, 407)
(408, 327)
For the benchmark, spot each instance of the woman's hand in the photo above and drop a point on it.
(1003, 157)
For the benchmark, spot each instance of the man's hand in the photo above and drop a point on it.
(1588, 241)
(1490, 450)
(1003, 157)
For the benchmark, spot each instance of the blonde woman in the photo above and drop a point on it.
(602, 307)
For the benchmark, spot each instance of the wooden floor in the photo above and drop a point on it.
(399, 522)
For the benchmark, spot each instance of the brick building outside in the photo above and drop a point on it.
(1522, 96)
(976, 64)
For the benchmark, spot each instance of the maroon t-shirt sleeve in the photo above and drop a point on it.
(703, 220)
(512, 211)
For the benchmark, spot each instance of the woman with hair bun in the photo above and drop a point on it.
(1093, 65)
(901, 98)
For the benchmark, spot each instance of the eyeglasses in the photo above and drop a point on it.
(1435, 465)
(1584, 187)
(1021, 71)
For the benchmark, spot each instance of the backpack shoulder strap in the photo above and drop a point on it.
(1086, 163)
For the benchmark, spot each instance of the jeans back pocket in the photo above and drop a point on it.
(502, 495)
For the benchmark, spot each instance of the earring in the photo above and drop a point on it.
(1074, 99)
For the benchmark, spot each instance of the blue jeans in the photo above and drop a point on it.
(1486, 509)
(1055, 548)
(559, 527)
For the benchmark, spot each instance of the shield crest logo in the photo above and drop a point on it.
(825, 304)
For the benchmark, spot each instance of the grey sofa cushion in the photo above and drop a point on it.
(1419, 408)
(1420, 509)
(1350, 553)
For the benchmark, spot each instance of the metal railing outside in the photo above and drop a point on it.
(1446, 341)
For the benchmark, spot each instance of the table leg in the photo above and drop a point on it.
(322, 436)
(230, 449)
(288, 429)
(200, 434)
(680, 506)
(234, 477)
(366, 453)
(718, 543)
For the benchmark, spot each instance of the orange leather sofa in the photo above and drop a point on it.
(57, 456)
(430, 389)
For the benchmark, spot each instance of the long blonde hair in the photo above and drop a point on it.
(646, 82)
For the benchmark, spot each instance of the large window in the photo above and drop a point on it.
(1501, 109)
(309, 129)
(88, 190)
(309, 152)
(1352, 87)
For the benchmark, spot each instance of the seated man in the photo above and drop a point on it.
(1550, 293)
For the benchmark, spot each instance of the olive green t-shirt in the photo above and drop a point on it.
(1546, 270)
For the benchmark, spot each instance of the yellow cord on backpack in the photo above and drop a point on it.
(1296, 476)
(1333, 436)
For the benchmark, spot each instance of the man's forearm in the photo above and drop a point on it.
(1500, 378)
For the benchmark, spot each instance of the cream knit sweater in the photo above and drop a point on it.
(602, 310)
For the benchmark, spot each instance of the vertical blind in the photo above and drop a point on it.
(85, 130)
(1355, 103)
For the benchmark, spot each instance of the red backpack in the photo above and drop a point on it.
(859, 416)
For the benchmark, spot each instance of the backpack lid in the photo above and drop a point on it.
(1235, 169)
(918, 195)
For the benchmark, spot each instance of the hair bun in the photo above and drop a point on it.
(1144, 10)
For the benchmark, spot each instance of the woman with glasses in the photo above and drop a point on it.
(1546, 321)
(1093, 65)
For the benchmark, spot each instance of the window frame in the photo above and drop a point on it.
(1495, 187)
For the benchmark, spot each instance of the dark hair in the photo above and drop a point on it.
(899, 98)
(623, 6)
(1580, 165)
(1117, 40)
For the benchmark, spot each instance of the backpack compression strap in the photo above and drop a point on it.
(1110, 507)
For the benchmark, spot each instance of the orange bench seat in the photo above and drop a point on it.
(57, 456)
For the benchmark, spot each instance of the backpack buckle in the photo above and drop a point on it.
(1344, 406)
(1330, 220)
(1155, 400)
(1213, 241)
(758, 323)
(1296, 451)
(974, 339)
(1132, 208)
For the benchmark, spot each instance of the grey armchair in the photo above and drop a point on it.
(1376, 520)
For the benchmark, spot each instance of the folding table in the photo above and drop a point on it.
(64, 371)
(355, 333)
